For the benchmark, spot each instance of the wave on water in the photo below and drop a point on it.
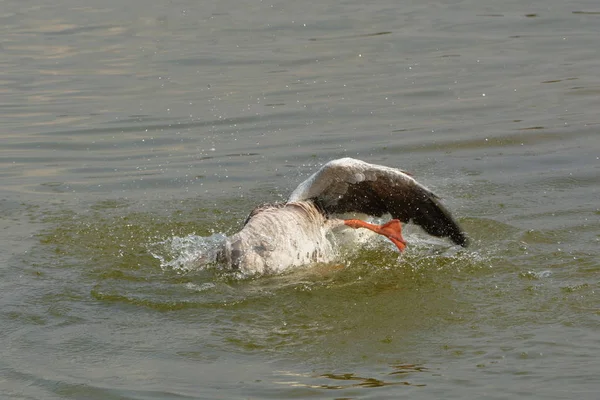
(188, 253)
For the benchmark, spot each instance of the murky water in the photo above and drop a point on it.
(134, 135)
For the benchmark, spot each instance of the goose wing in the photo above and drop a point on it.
(349, 185)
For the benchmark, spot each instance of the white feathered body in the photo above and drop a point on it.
(264, 244)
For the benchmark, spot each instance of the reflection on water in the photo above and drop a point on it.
(342, 381)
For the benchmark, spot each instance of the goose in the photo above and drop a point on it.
(301, 231)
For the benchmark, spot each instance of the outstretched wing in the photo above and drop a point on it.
(349, 185)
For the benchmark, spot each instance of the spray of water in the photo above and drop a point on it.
(188, 253)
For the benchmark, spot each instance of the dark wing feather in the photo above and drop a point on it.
(349, 185)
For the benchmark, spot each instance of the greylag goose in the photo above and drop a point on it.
(276, 237)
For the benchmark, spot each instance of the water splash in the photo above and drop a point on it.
(188, 253)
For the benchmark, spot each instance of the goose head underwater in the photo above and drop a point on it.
(276, 237)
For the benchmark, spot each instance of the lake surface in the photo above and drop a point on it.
(134, 134)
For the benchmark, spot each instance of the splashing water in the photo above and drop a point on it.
(197, 253)
(187, 253)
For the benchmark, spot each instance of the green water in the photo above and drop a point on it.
(136, 135)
